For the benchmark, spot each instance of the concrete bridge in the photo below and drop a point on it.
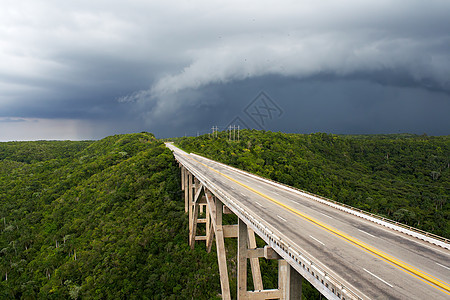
(343, 252)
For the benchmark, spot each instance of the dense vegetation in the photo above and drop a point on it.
(403, 177)
(105, 219)
(97, 220)
(30, 152)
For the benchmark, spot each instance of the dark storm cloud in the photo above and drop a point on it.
(170, 67)
(341, 106)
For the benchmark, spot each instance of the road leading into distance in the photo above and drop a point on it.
(378, 262)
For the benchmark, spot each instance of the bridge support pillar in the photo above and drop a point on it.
(183, 170)
(242, 261)
(293, 283)
(289, 281)
(215, 210)
(254, 261)
(186, 190)
(199, 199)
(190, 188)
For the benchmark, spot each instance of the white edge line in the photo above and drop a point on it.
(259, 203)
(316, 240)
(326, 215)
(384, 281)
(443, 266)
(366, 233)
(280, 217)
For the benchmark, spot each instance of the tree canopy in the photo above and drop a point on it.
(97, 220)
(403, 177)
(104, 219)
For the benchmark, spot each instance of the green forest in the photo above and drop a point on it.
(97, 220)
(403, 177)
(105, 219)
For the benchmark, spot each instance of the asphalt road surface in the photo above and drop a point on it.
(385, 276)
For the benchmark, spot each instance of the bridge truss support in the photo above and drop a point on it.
(204, 208)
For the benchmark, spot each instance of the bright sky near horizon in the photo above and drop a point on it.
(88, 69)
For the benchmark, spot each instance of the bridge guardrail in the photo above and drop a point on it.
(409, 230)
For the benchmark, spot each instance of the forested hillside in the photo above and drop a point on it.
(402, 177)
(98, 220)
(105, 219)
(30, 152)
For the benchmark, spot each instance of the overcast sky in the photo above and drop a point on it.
(89, 69)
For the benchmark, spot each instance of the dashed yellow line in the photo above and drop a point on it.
(436, 283)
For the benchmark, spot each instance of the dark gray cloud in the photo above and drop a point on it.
(103, 67)
(341, 106)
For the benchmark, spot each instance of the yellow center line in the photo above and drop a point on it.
(395, 262)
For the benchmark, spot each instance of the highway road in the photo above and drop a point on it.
(378, 262)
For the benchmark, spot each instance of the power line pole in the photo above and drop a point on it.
(214, 130)
(238, 133)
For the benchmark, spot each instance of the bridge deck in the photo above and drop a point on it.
(370, 258)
